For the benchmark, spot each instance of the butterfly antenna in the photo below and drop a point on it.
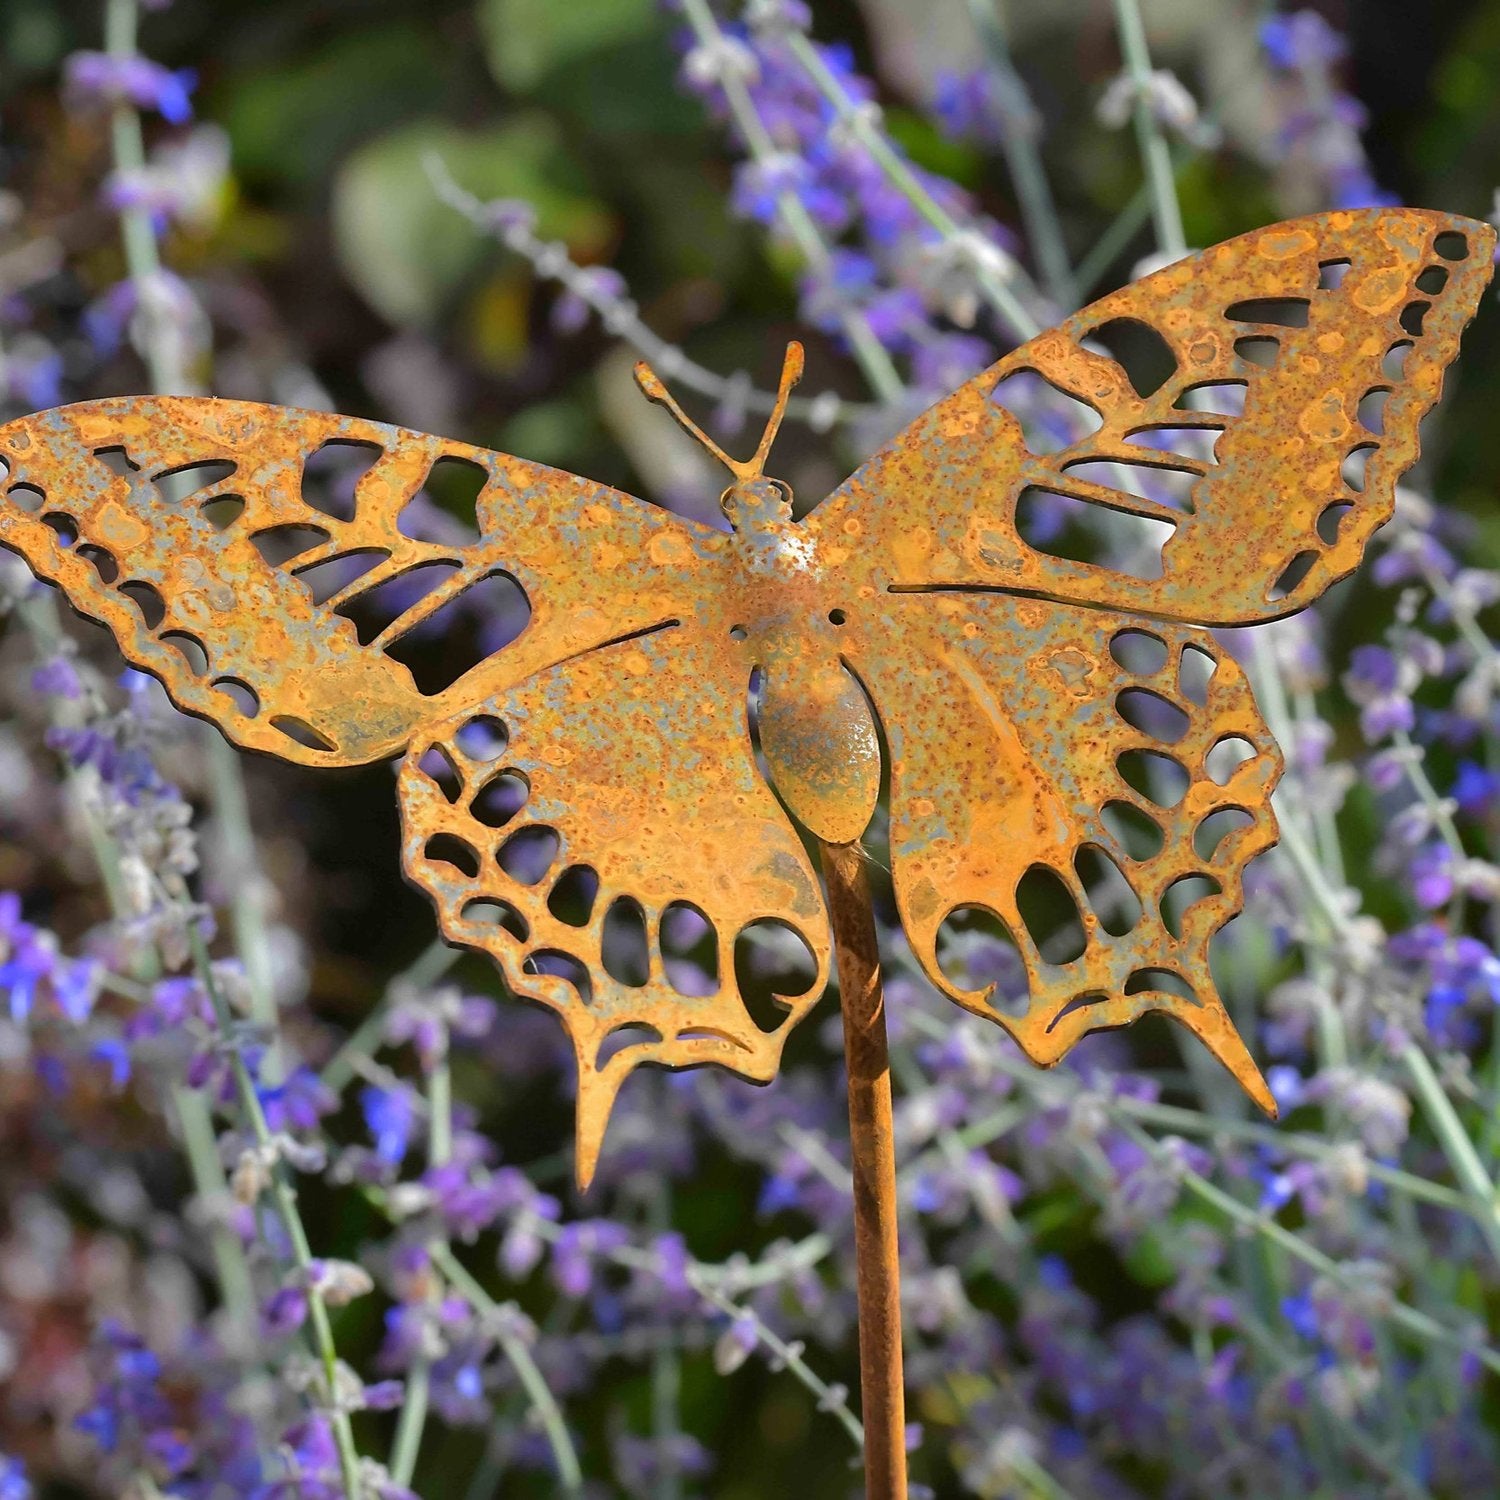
(653, 390)
(791, 373)
(742, 469)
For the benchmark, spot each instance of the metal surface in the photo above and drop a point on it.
(1013, 685)
(873, 1158)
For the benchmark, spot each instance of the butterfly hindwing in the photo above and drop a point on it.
(622, 781)
(190, 527)
(1095, 783)
(1257, 435)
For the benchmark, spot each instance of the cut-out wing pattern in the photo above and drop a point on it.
(1332, 332)
(1071, 753)
(628, 802)
(231, 592)
(1029, 738)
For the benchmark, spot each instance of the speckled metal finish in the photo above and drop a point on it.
(1022, 694)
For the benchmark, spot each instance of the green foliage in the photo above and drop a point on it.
(406, 252)
(526, 41)
(292, 119)
(607, 65)
(552, 432)
(928, 147)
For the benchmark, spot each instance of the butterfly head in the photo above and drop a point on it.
(753, 501)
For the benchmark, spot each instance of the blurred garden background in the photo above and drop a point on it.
(470, 219)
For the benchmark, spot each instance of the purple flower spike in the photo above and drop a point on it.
(32, 960)
(284, 1311)
(575, 1252)
(298, 1103)
(58, 678)
(75, 987)
(390, 1116)
(99, 78)
(1301, 40)
(14, 1484)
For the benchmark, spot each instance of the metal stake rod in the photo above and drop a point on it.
(872, 1148)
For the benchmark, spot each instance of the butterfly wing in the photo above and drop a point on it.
(626, 711)
(1046, 744)
(625, 791)
(1293, 367)
(243, 593)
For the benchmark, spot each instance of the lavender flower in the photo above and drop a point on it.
(1301, 40)
(576, 1253)
(1166, 98)
(183, 183)
(98, 78)
(983, 107)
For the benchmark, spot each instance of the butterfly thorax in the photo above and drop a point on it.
(760, 511)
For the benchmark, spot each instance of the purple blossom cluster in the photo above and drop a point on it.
(885, 263)
(1321, 122)
(106, 80)
(254, 1251)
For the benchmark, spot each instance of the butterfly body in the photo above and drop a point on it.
(779, 612)
(1072, 753)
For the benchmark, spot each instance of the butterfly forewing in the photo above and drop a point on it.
(1255, 440)
(275, 599)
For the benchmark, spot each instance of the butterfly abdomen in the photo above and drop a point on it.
(820, 744)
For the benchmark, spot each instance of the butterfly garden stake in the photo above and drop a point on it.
(1044, 722)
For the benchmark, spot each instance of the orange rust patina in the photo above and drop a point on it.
(1020, 694)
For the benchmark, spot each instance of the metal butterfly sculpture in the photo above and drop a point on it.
(1018, 691)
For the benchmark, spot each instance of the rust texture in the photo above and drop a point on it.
(1049, 721)
(873, 1159)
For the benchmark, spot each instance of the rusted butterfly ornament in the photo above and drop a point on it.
(1020, 693)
